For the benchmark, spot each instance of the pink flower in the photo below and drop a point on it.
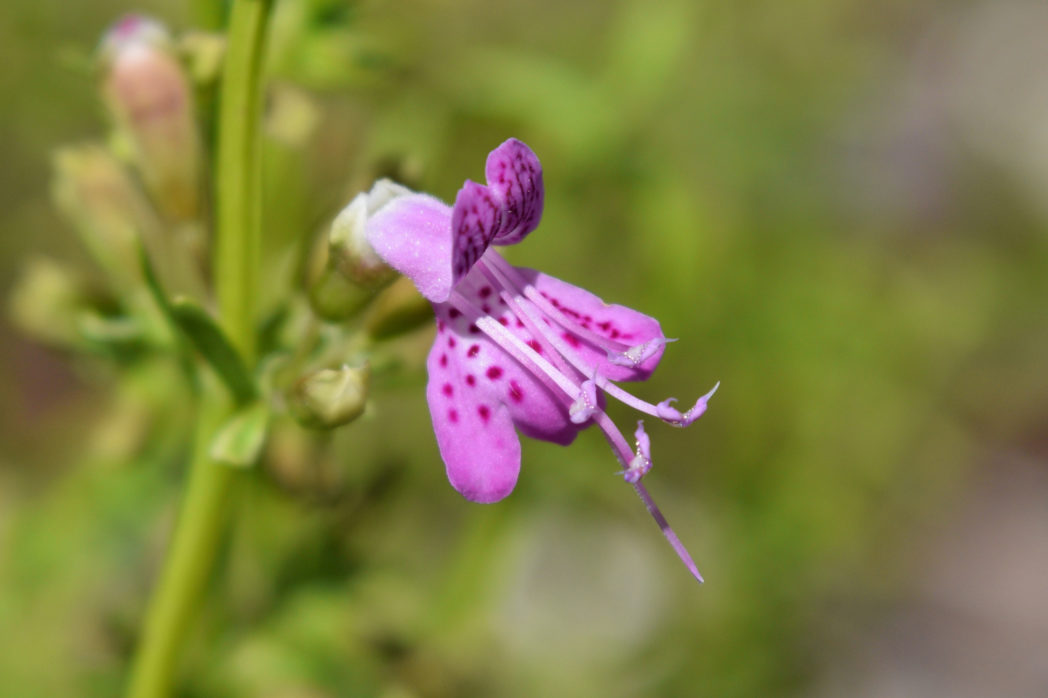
(516, 350)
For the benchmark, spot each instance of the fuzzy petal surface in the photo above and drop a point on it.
(413, 235)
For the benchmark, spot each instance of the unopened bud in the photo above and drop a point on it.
(330, 397)
(151, 100)
(352, 273)
(351, 253)
(98, 196)
(46, 301)
(336, 298)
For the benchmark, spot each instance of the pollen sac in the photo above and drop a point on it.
(330, 397)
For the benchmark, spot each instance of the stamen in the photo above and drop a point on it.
(532, 326)
(663, 410)
(673, 416)
(583, 408)
(512, 279)
(634, 465)
(641, 463)
(636, 355)
(514, 346)
(622, 451)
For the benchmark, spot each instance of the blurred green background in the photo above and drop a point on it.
(837, 206)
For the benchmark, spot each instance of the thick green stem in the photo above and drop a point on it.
(202, 519)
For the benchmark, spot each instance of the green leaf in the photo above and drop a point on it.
(214, 345)
(153, 283)
(239, 441)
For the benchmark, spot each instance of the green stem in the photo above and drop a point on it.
(206, 14)
(202, 519)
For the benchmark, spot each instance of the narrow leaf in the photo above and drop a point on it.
(217, 350)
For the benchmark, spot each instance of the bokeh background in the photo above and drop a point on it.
(837, 206)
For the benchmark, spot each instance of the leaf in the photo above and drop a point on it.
(239, 441)
(153, 283)
(215, 347)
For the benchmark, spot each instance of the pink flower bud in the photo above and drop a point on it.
(151, 100)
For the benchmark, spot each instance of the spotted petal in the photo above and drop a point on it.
(480, 448)
(475, 221)
(501, 213)
(621, 325)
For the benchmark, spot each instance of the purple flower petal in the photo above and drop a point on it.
(620, 325)
(475, 221)
(514, 173)
(503, 212)
(466, 357)
(477, 441)
(412, 234)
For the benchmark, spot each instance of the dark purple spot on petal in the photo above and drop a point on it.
(470, 380)
(443, 360)
(486, 308)
(473, 329)
(504, 322)
(571, 339)
(485, 412)
(447, 389)
(473, 351)
(494, 373)
(614, 334)
(454, 313)
(451, 342)
(515, 393)
(535, 345)
(484, 292)
(519, 323)
(453, 416)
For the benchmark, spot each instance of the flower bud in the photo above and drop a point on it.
(330, 397)
(351, 253)
(353, 274)
(151, 101)
(46, 302)
(96, 194)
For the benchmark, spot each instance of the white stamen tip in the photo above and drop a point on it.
(636, 355)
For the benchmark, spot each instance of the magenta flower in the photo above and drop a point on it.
(516, 350)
